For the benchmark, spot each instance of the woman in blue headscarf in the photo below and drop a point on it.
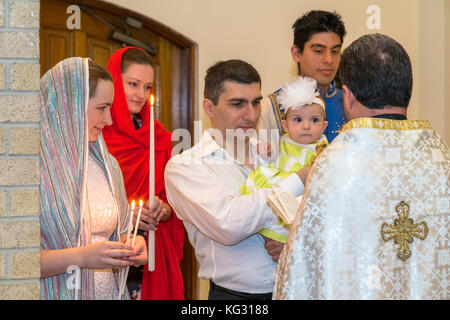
(84, 208)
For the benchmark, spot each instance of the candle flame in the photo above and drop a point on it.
(133, 203)
(141, 203)
(152, 100)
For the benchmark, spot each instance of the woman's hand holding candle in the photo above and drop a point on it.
(161, 211)
(140, 248)
(106, 255)
(150, 217)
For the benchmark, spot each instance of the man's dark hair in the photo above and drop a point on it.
(378, 71)
(231, 70)
(317, 21)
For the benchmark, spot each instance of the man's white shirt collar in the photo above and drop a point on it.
(208, 147)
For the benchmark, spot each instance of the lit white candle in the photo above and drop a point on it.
(130, 224)
(124, 273)
(151, 187)
(136, 227)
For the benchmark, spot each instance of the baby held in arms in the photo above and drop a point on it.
(304, 123)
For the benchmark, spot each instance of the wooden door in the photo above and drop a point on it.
(174, 70)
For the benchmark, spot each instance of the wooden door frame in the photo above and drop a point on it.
(187, 47)
(186, 113)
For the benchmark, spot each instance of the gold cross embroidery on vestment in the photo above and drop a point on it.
(403, 230)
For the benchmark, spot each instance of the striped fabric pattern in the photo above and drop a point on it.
(65, 222)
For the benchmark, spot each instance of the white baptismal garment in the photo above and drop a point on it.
(341, 244)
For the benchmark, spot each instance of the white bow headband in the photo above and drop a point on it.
(299, 92)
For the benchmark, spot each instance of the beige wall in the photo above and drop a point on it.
(259, 31)
(431, 79)
(447, 71)
(19, 149)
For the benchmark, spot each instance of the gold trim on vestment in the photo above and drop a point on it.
(331, 95)
(387, 124)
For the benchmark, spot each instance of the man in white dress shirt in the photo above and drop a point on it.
(203, 187)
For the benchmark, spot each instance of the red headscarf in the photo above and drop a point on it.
(131, 149)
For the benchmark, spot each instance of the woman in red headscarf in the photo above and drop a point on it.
(128, 141)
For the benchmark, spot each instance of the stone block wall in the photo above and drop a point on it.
(19, 150)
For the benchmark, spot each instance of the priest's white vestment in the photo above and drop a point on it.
(375, 217)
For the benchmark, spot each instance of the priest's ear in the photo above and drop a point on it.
(348, 97)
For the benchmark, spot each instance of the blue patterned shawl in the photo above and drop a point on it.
(65, 218)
